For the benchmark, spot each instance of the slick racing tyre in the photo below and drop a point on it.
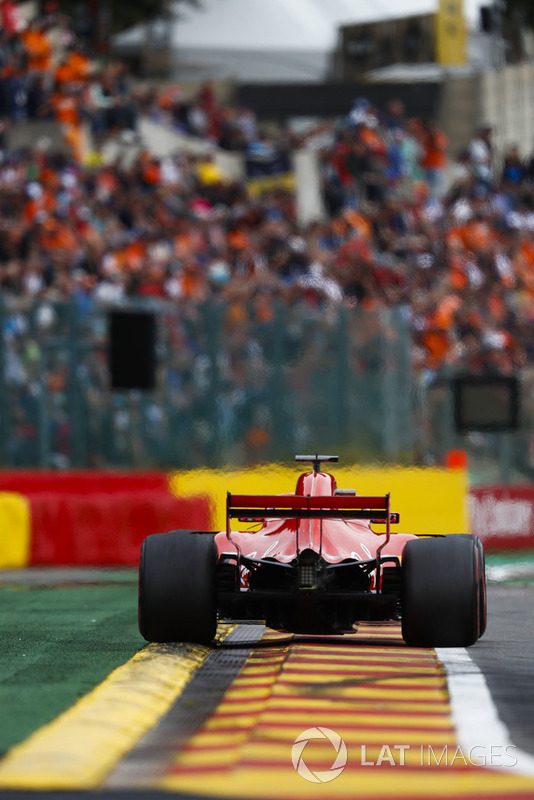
(481, 579)
(443, 591)
(177, 587)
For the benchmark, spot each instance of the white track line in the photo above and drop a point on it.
(498, 573)
(475, 716)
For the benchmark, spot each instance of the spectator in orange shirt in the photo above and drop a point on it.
(434, 158)
(75, 139)
(80, 66)
(39, 200)
(479, 235)
(38, 47)
(65, 104)
(73, 71)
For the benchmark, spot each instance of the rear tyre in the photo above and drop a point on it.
(481, 580)
(482, 606)
(177, 587)
(443, 591)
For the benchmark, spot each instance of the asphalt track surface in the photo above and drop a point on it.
(505, 655)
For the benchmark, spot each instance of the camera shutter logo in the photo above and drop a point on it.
(337, 743)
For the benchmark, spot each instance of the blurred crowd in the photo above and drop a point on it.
(449, 240)
(452, 241)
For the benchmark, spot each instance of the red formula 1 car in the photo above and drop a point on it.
(314, 565)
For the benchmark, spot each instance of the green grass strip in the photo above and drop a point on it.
(511, 557)
(515, 567)
(56, 645)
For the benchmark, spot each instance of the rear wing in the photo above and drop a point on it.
(257, 507)
(298, 506)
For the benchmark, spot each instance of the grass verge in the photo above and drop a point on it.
(57, 644)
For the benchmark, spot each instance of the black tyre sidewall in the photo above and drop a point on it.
(441, 591)
(481, 579)
(482, 605)
(177, 600)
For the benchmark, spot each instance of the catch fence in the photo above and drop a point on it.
(238, 382)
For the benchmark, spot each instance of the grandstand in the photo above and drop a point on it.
(281, 322)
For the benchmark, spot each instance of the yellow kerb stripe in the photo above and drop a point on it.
(79, 748)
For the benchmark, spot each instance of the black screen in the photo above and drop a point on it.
(132, 350)
(489, 403)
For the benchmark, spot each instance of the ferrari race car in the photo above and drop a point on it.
(313, 565)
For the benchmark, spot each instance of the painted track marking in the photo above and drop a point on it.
(150, 756)
(473, 710)
(80, 747)
(369, 688)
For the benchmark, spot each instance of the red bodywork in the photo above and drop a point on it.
(336, 539)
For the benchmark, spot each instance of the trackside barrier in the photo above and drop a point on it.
(503, 516)
(93, 518)
(14, 530)
(101, 518)
(105, 529)
(429, 500)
